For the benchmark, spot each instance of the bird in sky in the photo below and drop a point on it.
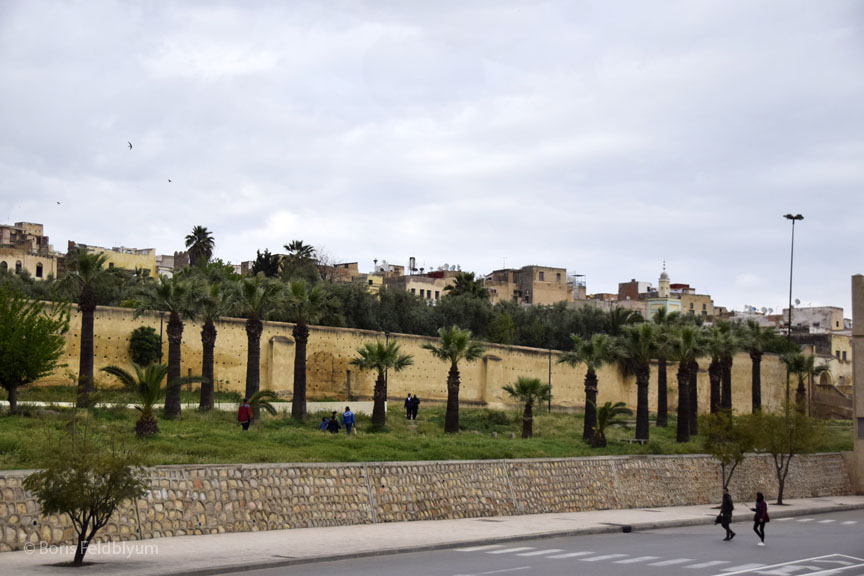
(169, 180)
(58, 203)
(130, 145)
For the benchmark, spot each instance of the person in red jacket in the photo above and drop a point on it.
(760, 518)
(244, 415)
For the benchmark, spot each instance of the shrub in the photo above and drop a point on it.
(144, 346)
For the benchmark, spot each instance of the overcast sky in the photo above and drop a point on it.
(603, 137)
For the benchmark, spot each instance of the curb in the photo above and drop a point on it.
(776, 512)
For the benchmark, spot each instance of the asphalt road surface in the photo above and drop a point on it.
(825, 544)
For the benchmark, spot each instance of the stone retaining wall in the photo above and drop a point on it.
(249, 497)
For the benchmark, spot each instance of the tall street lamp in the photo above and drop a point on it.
(793, 218)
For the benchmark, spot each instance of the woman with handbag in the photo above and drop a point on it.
(760, 518)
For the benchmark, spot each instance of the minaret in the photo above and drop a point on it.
(663, 285)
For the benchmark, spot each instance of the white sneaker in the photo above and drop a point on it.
(760, 544)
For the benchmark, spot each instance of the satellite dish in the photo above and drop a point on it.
(770, 310)
(797, 301)
(764, 309)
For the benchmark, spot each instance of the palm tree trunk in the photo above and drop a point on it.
(756, 359)
(642, 380)
(379, 411)
(714, 375)
(451, 418)
(801, 394)
(683, 429)
(662, 395)
(87, 306)
(726, 395)
(693, 400)
(254, 328)
(590, 405)
(298, 401)
(528, 420)
(175, 339)
(208, 343)
(13, 399)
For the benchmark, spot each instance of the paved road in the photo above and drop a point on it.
(820, 544)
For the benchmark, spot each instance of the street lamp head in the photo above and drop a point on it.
(793, 217)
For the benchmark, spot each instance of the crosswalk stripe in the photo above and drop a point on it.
(848, 522)
(571, 555)
(604, 557)
(806, 519)
(708, 564)
(785, 519)
(672, 562)
(541, 552)
(510, 550)
(826, 521)
(743, 567)
(479, 548)
(636, 560)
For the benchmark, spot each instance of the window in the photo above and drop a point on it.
(557, 276)
(838, 354)
(110, 265)
(437, 293)
(414, 291)
(39, 270)
(837, 324)
(541, 276)
(691, 305)
(370, 282)
(18, 267)
(4, 266)
(704, 307)
(844, 356)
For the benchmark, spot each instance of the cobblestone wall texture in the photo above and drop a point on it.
(249, 497)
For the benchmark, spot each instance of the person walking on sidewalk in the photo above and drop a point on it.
(244, 414)
(760, 518)
(348, 421)
(726, 514)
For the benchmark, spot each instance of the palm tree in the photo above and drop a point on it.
(212, 303)
(687, 346)
(715, 348)
(593, 353)
(256, 299)
(803, 367)
(261, 400)
(381, 357)
(200, 245)
(299, 262)
(619, 318)
(665, 320)
(529, 391)
(146, 383)
(464, 284)
(608, 416)
(175, 296)
(454, 345)
(731, 345)
(635, 348)
(304, 305)
(86, 270)
(755, 339)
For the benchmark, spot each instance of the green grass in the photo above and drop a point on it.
(215, 438)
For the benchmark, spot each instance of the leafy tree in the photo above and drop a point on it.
(255, 298)
(31, 341)
(403, 312)
(176, 297)
(86, 270)
(300, 263)
(381, 357)
(756, 341)
(304, 305)
(266, 263)
(200, 244)
(86, 481)
(454, 345)
(146, 384)
(785, 436)
(464, 284)
(608, 416)
(594, 354)
(473, 313)
(727, 442)
(502, 329)
(635, 348)
(144, 345)
(358, 307)
(529, 391)
(803, 367)
(687, 345)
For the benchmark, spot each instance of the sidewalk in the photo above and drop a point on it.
(214, 554)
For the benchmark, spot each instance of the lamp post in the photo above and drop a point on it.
(161, 319)
(793, 218)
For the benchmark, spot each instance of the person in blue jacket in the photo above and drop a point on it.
(348, 420)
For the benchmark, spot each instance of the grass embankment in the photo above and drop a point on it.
(215, 438)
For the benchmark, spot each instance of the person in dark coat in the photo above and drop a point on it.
(760, 518)
(333, 426)
(726, 514)
(244, 414)
(415, 405)
(408, 407)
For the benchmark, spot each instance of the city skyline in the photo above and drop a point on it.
(603, 139)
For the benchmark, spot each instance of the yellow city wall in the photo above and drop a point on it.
(330, 375)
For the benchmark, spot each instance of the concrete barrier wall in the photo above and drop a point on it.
(249, 497)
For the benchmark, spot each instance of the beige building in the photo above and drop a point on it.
(24, 247)
(429, 287)
(124, 258)
(532, 285)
